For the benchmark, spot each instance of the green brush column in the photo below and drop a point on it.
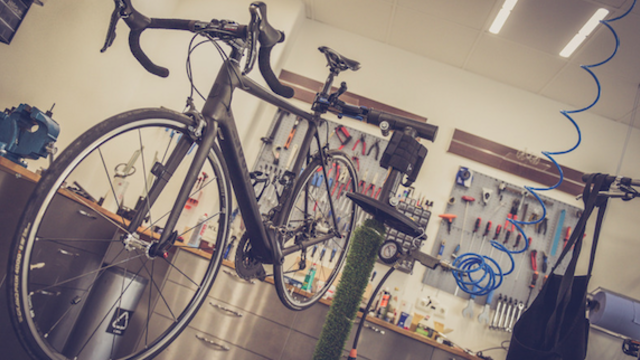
(355, 276)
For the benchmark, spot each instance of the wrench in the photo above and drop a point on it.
(509, 323)
(517, 308)
(520, 310)
(484, 316)
(505, 313)
(468, 311)
(496, 316)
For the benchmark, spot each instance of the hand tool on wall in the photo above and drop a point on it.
(496, 316)
(486, 196)
(468, 311)
(556, 238)
(292, 133)
(467, 199)
(363, 140)
(476, 226)
(566, 237)
(487, 229)
(484, 316)
(534, 276)
(541, 227)
(495, 238)
(506, 308)
(276, 155)
(449, 220)
(376, 146)
(343, 136)
(441, 251)
(517, 311)
(276, 127)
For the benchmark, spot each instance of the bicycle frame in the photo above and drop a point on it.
(221, 124)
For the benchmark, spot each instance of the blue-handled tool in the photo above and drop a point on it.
(556, 238)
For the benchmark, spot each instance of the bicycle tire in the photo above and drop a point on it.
(311, 202)
(30, 296)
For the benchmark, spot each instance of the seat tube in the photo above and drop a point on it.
(217, 108)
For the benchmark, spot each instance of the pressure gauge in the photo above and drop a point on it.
(389, 252)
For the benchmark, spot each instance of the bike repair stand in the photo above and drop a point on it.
(404, 156)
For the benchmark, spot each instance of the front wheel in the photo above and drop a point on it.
(82, 284)
(315, 233)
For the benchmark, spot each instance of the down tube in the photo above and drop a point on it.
(242, 187)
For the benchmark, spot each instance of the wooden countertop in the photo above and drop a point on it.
(19, 171)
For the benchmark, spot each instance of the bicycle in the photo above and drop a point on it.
(148, 235)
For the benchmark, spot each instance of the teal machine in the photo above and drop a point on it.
(27, 132)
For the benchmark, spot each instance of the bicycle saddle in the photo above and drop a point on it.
(387, 214)
(337, 61)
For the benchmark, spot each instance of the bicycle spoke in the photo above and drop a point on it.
(183, 274)
(158, 289)
(89, 273)
(113, 190)
(144, 177)
(168, 212)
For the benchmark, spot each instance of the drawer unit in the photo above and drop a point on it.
(230, 323)
(439, 354)
(195, 344)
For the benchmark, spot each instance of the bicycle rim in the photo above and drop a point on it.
(76, 290)
(307, 274)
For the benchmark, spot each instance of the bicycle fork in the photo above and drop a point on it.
(163, 174)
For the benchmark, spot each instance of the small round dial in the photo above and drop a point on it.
(389, 252)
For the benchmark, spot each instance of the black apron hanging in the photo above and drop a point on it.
(555, 326)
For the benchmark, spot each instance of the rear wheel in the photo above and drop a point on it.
(82, 286)
(314, 242)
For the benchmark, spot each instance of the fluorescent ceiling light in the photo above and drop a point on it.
(502, 16)
(586, 30)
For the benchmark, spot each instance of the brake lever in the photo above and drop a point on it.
(252, 32)
(116, 15)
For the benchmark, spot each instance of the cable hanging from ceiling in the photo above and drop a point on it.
(478, 274)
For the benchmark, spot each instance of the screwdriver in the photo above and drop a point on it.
(495, 237)
(476, 226)
(534, 277)
(484, 236)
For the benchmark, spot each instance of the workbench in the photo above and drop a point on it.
(264, 330)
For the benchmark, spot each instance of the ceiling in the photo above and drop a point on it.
(524, 54)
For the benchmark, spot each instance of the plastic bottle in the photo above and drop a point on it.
(308, 279)
(391, 305)
(198, 232)
(384, 301)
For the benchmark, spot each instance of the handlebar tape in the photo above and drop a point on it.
(264, 63)
(397, 122)
(138, 25)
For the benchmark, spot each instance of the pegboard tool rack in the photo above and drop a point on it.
(503, 198)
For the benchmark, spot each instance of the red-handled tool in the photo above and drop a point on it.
(292, 133)
(566, 237)
(449, 219)
(534, 276)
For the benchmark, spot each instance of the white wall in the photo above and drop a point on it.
(452, 98)
(55, 58)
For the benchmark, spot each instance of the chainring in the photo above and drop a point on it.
(247, 267)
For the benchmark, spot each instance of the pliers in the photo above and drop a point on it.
(364, 144)
(376, 146)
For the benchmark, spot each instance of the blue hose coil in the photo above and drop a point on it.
(479, 274)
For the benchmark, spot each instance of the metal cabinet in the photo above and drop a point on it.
(439, 354)
(250, 320)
